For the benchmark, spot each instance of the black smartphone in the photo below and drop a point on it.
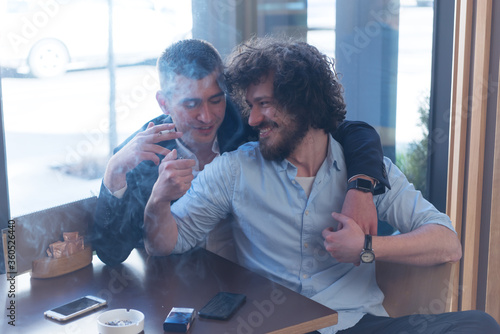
(75, 308)
(222, 306)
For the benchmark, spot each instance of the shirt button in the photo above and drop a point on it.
(293, 181)
(305, 276)
(306, 245)
(307, 212)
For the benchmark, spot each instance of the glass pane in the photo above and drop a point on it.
(383, 51)
(56, 89)
(414, 81)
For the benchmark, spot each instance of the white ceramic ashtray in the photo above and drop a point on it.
(120, 321)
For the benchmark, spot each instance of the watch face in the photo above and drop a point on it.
(361, 185)
(367, 257)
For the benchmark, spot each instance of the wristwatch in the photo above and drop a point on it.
(361, 184)
(367, 255)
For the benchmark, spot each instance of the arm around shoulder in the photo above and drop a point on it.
(363, 152)
(364, 159)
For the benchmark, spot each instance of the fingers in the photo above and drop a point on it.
(164, 132)
(171, 186)
(144, 143)
(155, 149)
(176, 180)
(159, 133)
(175, 176)
(143, 156)
(143, 146)
(151, 152)
(182, 167)
(172, 155)
(160, 127)
(341, 218)
(326, 232)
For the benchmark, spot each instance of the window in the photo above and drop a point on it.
(56, 88)
(383, 52)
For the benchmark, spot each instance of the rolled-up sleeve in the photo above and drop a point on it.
(206, 203)
(404, 207)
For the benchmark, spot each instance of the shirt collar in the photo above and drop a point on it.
(334, 157)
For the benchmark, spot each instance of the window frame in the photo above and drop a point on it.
(4, 189)
(440, 102)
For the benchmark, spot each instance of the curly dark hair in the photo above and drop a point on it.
(305, 81)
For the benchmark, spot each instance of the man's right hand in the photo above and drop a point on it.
(160, 229)
(142, 147)
(174, 179)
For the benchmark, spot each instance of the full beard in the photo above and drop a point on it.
(287, 142)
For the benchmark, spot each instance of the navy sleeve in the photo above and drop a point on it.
(363, 152)
(117, 227)
(118, 222)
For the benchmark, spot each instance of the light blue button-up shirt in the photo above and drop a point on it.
(277, 228)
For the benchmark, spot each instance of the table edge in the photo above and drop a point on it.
(309, 326)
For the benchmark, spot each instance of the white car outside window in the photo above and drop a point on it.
(48, 37)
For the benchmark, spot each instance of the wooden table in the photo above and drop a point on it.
(153, 285)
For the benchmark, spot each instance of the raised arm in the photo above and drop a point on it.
(363, 152)
(126, 187)
(160, 228)
(364, 159)
(141, 147)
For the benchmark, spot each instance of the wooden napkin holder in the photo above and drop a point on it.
(50, 267)
(63, 257)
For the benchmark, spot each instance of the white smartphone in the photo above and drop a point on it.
(75, 308)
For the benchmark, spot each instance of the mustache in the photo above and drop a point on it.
(264, 124)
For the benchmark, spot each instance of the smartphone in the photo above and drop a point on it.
(75, 308)
(222, 306)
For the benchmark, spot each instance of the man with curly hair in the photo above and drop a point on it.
(283, 194)
(206, 123)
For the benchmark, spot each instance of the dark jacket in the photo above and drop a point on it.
(117, 227)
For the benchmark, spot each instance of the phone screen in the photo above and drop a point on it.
(75, 307)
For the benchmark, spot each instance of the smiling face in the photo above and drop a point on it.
(197, 108)
(279, 133)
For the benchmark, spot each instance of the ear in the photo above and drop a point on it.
(162, 102)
